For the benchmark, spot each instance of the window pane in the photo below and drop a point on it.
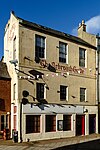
(62, 52)
(2, 104)
(82, 57)
(66, 122)
(40, 91)
(63, 92)
(39, 46)
(82, 94)
(50, 123)
(2, 122)
(32, 123)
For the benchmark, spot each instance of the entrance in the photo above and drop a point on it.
(3, 123)
(80, 125)
(92, 123)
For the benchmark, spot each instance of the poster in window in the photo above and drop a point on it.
(60, 125)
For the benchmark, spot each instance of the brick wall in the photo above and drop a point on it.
(5, 94)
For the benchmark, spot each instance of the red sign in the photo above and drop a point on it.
(64, 68)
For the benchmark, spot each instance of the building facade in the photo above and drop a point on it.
(54, 81)
(5, 98)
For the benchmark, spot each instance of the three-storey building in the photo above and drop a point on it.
(53, 86)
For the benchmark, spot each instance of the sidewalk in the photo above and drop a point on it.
(52, 144)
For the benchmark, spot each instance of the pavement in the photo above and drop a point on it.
(47, 144)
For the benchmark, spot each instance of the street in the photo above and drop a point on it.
(93, 145)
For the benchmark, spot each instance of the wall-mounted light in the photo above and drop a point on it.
(15, 61)
(85, 110)
(8, 113)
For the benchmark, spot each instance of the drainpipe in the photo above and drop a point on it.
(20, 122)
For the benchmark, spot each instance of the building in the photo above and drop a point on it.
(5, 98)
(54, 81)
(95, 40)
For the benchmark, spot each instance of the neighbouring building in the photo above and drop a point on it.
(5, 98)
(54, 81)
(94, 40)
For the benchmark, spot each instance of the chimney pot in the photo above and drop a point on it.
(83, 22)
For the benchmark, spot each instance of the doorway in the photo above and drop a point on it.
(92, 123)
(80, 125)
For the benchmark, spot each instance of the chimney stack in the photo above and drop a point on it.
(82, 26)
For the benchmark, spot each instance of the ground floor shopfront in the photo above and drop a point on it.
(5, 125)
(41, 122)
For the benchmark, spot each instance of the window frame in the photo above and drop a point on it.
(82, 94)
(63, 51)
(4, 121)
(82, 57)
(40, 46)
(67, 122)
(64, 97)
(2, 104)
(33, 126)
(40, 91)
(50, 123)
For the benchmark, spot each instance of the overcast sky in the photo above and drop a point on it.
(62, 15)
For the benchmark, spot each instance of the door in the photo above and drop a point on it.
(80, 125)
(92, 123)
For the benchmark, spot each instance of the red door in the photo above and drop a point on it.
(83, 125)
(80, 125)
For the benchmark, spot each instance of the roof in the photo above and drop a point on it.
(59, 34)
(3, 71)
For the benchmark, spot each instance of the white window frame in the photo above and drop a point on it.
(45, 44)
(84, 58)
(44, 89)
(85, 94)
(66, 52)
(66, 93)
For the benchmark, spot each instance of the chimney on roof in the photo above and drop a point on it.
(82, 26)
(12, 12)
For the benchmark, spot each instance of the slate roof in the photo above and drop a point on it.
(59, 34)
(3, 71)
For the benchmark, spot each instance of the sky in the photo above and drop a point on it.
(61, 15)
